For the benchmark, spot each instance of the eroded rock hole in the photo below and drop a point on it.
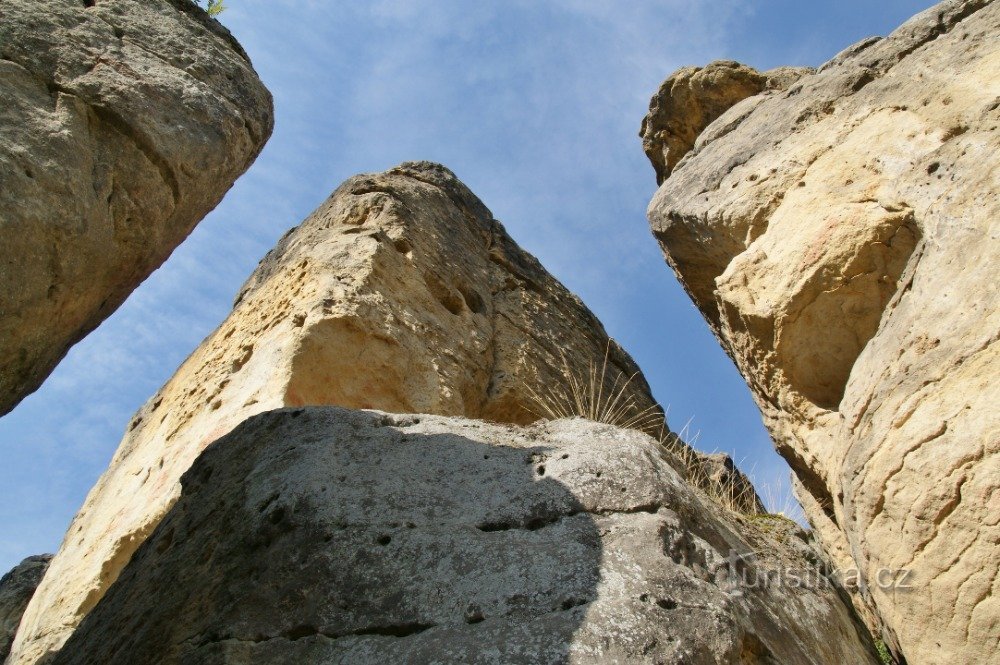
(402, 245)
(472, 299)
(821, 339)
(444, 294)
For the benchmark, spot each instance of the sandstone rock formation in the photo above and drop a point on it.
(693, 97)
(402, 293)
(363, 537)
(16, 589)
(122, 124)
(841, 239)
(719, 475)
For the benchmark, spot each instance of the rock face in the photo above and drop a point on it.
(363, 537)
(122, 124)
(841, 239)
(717, 473)
(402, 293)
(693, 97)
(16, 589)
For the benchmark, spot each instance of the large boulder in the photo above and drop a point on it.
(692, 98)
(122, 124)
(841, 239)
(402, 293)
(16, 589)
(323, 535)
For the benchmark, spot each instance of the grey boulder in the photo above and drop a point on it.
(322, 535)
(16, 589)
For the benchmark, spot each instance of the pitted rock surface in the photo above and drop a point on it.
(693, 98)
(401, 292)
(321, 534)
(841, 239)
(122, 124)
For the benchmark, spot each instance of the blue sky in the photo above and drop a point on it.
(535, 105)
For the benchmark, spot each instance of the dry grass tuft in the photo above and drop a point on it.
(589, 398)
(779, 500)
(592, 398)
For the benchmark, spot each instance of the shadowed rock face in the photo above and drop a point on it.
(122, 124)
(401, 292)
(327, 535)
(841, 239)
(16, 589)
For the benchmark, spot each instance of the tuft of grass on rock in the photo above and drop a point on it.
(588, 397)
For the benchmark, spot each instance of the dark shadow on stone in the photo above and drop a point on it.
(329, 535)
(16, 589)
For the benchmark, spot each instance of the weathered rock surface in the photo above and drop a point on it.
(693, 97)
(402, 293)
(16, 589)
(841, 239)
(122, 124)
(326, 535)
(722, 477)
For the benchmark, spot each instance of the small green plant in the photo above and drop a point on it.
(214, 7)
(884, 656)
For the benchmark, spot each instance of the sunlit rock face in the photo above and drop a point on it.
(401, 292)
(324, 535)
(122, 124)
(840, 238)
(692, 98)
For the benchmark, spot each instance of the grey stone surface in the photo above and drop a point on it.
(16, 589)
(322, 535)
(841, 238)
(122, 124)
